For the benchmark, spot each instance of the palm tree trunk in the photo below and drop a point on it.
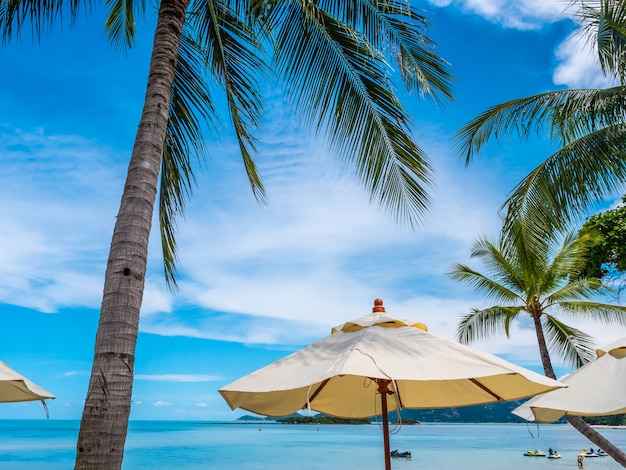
(581, 426)
(598, 439)
(106, 412)
(543, 347)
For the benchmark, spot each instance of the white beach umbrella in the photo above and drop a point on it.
(15, 388)
(596, 389)
(352, 372)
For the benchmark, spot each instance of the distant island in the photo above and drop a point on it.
(321, 419)
(317, 419)
(493, 413)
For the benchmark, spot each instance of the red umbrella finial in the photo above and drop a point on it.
(378, 306)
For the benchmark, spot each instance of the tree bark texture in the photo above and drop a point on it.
(543, 347)
(104, 422)
(598, 439)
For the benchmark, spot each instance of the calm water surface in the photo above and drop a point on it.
(49, 445)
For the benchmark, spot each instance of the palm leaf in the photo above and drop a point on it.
(568, 260)
(568, 183)
(399, 29)
(600, 312)
(340, 84)
(605, 22)
(395, 28)
(483, 324)
(120, 24)
(580, 289)
(234, 55)
(39, 15)
(492, 289)
(573, 346)
(505, 268)
(566, 114)
(184, 141)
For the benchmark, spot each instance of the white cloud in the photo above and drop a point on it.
(519, 14)
(320, 253)
(74, 373)
(162, 403)
(156, 298)
(57, 212)
(578, 66)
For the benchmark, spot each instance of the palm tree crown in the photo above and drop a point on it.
(546, 287)
(588, 127)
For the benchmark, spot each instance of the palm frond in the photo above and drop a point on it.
(580, 289)
(567, 183)
(568, 261)
(500, 261)
(39, 15)
(573, 346)
(597, 311)
(422, 69)
(566, 114)
(191, 107)
(340, 84)
(399, 30)
(605, 23)
(235, 56)
(120, 24)
(483, 324)
(491, 288)
(585, 111)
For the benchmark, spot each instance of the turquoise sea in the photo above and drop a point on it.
(185, 445)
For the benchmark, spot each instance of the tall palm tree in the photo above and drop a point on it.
(588, 127)
(546, 286)
(332, 57)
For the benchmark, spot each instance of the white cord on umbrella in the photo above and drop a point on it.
(398, 425)
(396, 430)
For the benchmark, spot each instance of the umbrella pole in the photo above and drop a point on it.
(383, 389)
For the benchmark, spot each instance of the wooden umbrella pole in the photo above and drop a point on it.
(383, 389)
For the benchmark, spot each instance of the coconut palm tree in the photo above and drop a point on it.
(588, 127)
(545, 286)
(332, 57)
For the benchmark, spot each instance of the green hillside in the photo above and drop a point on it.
(493, 413)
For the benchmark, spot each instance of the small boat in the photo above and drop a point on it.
(553, 454)
(535, 453)
(588, 454)
(401, 455)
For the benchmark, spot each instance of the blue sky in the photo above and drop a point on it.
(256, 283)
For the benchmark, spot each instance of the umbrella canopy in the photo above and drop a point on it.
(15, 387)
(350, 373)
(596, 389)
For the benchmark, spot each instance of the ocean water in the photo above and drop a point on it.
(184, 445)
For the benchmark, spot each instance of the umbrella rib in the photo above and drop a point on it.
(317, 391)
(478, 384)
